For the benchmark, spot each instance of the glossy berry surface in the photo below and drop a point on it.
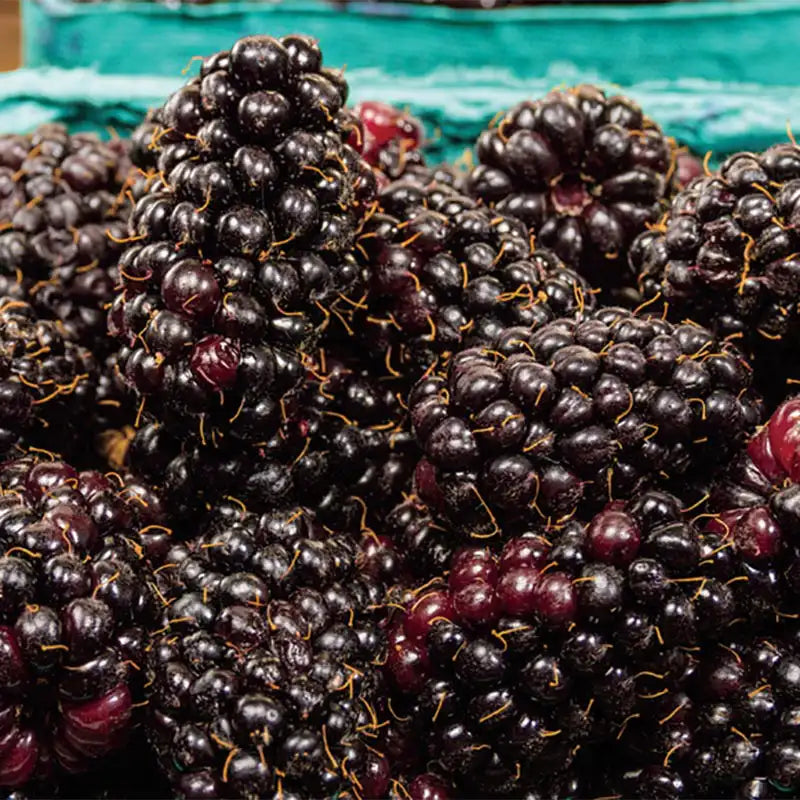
(265, 670)
(447, 273)
(726, 255)
(585, 171)
(638, 650)
(241, 255)
(64, 203)
(48, 383)
(579, 409)
(74, 610)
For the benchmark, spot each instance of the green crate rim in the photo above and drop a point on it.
(704, 9)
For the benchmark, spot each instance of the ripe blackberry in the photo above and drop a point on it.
(263, 678)
(47, 383)
(242, 251)
(74, 607)
(589, 408)
(447, 273)
(144, 145)
(344, 443)
(586, 172)
(64, 202)
(350, 445)
(426, 546)
(726, 253)
(189, 475)
(630, 641)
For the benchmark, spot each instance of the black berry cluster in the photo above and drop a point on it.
(64, 204)
(447, 273)
(585, 171)
(578, 409)
(726, 255)
(241, 250)
(264, 679)
(75, 609)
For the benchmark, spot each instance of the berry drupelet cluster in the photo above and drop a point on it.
(586, 172)
(391, 140)
(446, 273)
(75, 607)
(344, 442)
(240, 251)
(643, 649)
(48, 383)
(264, 679)
(586, 409)
(64, 202)
(726, 254)
(351, 447)
(741, 720)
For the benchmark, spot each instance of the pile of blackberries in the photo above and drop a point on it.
(329, 472)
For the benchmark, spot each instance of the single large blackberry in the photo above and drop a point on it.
(263, 680)
(643, 641)
(586, 172)
(64, 202)
(446, 273)
(588, 408)
(47, 383)
(726, 255)
(74, 607)
(242, 249)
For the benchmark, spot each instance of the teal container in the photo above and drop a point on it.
(625, 43)
(454, 104)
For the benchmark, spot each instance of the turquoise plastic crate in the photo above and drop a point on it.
(717, 40)
(455, 105)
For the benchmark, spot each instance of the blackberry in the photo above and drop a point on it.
(426, 546)
(242, 250)
(188, 474)
(144, 144)
(629, 641)
(48, 383)
(391, 140)
(584, 171)
(344, 442)
(263, 678)
(590, 408)
(64, 202)
(447, 273)
(74, 610)
(350, 446)
(726, 253)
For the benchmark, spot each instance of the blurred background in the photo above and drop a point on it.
(711, 71)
